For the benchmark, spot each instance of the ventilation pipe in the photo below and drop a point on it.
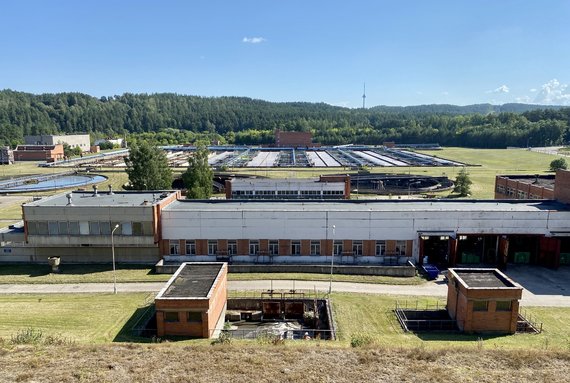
(69, 203)
(110, 189)
(95, 191)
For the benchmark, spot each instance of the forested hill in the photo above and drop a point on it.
(172, 118)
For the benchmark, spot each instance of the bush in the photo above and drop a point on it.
(36, 336)
(361, 340)
(559, 163)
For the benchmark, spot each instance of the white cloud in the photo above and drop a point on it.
(532, 90)
(524, 99)
(553, 93)
(253, 40)
(501, 89)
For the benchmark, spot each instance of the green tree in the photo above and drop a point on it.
(198, 177)
(147, 167)
(462, 183)
(559, 163)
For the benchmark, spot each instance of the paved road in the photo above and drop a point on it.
(435, 289)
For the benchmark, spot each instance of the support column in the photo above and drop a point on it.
(452, 261)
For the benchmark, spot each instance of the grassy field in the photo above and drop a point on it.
(133, 273)
(101, 318)
(358, 314)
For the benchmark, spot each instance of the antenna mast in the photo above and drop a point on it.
(364, 97)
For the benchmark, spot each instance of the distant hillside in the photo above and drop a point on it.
(467, 109)
(172, 118)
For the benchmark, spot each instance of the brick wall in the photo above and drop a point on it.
(562, 186)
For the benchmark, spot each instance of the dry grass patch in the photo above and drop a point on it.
(240, 363)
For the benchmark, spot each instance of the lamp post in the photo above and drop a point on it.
(113, 253)
(332, 259)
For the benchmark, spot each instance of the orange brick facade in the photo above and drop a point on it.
(562, 186)
(293, 139)
(506, 188)
(209, 309)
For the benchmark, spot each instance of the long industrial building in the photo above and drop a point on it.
(159, 225)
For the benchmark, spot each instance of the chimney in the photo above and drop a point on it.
(69, 203)
(110, 189)
(95, 191)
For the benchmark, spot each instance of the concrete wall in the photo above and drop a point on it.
(74, 140)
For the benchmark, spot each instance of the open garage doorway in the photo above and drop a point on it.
(435, 250)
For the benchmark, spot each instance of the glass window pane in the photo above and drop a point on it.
(147, 228)
(94, 228)
(127, 228)
(84, 228)
(105, 228)
(73, 228)
(137, 228)
(63, 228)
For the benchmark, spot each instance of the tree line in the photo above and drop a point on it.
(172, 119)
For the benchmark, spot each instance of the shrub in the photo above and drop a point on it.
(361, 340)
(36, 336)
(559, 163)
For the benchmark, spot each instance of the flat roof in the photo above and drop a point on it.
(484, 278)
(104, 198)
(192, 280)
(368, 205)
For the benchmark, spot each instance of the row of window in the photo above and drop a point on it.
(519, 194)
(484, 306)
(286, 192)
(191, 317)
(88, 228)
(295, 247)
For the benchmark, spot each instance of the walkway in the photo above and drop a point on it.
(435, 289)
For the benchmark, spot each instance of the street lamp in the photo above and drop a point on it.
(332, 259)
(113, 253)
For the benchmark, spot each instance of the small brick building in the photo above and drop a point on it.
(293, 139)
(483, 300)
(193, 302)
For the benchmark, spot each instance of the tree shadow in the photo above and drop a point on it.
(140, 328)
(40, 270)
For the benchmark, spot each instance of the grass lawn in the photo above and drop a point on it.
(30, 273)
(372, 315)
(101, 318)
(84, 318)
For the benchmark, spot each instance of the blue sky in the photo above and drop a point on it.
(407, 52)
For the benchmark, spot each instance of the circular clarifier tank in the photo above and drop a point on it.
(49, 182)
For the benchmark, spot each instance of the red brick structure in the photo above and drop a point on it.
(483, 300)
(293, 139)
(524, 187)
(49, 153)
(562, 186)
(193, 302)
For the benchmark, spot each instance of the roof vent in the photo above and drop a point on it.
(69, 203)
(110, 189)
(95, 191)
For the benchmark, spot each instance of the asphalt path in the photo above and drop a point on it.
(432, 289)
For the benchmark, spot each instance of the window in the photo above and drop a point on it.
(357, 248)
(190, 247)
(94, 228)
(232, 247)
(253, 247)
(480, 306)
(194, 317)
(315, 247)
(73, 228)
(380, 248)
(53, 228)
(212, 247)
(337, 247)
(42, 228)
(273, 247)
(32, 228)
(127, 228)
(174, 247)
(84, 228)
(503, 306)
(170, 317)
(147, 228)
(105, 228)
(295, 247)
(137, 228)
(401, 248)
(62, 227)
